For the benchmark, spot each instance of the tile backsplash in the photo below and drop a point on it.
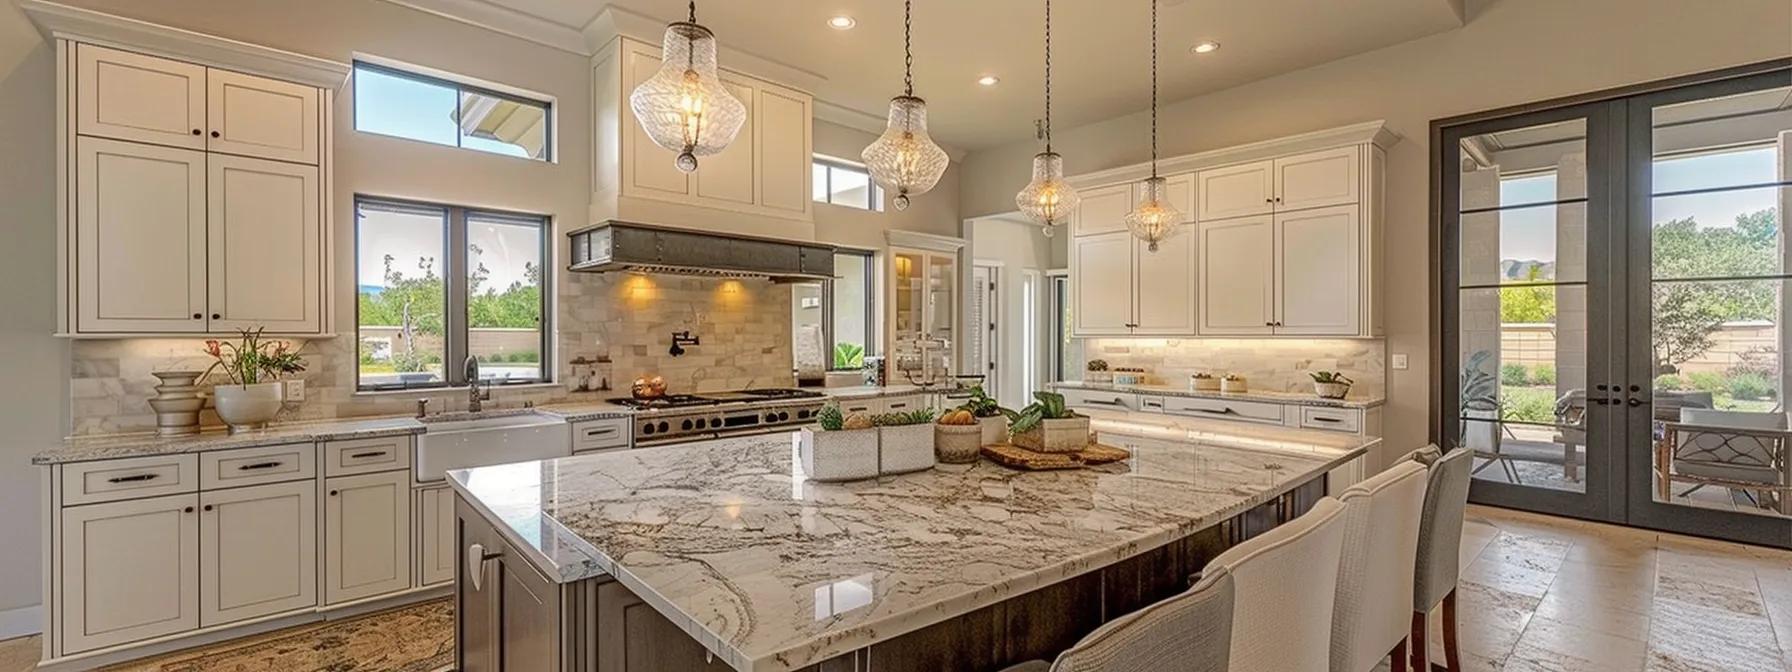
(744, 326)
(1267, 364)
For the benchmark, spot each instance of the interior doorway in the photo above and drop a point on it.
(985, 322)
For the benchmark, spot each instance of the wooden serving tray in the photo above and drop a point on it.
(1010, 455)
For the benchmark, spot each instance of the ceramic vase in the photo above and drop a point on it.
(247, 406)
(177, 402)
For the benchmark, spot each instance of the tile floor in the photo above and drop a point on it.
(1538, 594)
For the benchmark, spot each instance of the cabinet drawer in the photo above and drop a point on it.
(871, 406)
(255, 466)
(1224, 409)
(903, 404)
(600, 434)
(129, 478)
(1335, 419)
(1119, 401)
(361, 456)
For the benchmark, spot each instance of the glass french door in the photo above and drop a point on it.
(1614, 280)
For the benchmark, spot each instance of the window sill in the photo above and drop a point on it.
(455, 390)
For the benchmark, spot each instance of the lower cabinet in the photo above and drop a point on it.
(435, 536)
(130, 571)
(509, 614)
(258, 551)
(367, 535)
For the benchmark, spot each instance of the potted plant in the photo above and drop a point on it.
(1331, 384)
(991, 417)
(840, 448)
(905, 441)
(1048, 426)
(957, 437)
(1097, 372)
(251, 394)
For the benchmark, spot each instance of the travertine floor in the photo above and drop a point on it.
(1538, 594)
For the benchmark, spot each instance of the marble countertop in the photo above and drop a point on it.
(580, 411)
(1264, 396)
(114, 446)
(773, 572)
(869, 391)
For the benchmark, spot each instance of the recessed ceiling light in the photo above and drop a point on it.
(1205, 47)
(989, 80)
(842, 22)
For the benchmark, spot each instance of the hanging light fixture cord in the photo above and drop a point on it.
(1048, 76)
(693, 11)
(908, 54)
(1154, 89)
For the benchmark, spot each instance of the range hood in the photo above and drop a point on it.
(643, 248)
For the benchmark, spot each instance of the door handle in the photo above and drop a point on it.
(1635, 402)
(476, 558)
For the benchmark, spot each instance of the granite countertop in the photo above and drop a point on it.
(772, 572)
(114, 446)
(870, 391)
(1303, 399)
(580, 411)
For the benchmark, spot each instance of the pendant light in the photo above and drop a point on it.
(1154, 219)
(684, 107)
(904, 159)
(1048, 199)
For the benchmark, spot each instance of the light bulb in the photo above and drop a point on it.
(684, 107)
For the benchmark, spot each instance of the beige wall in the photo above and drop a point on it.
(1512, 51)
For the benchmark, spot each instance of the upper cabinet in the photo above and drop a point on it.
(1120, 286)
(759, 185)
(195, 198)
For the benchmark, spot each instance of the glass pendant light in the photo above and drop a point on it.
(1154, 219)
(1048, 200)
(684, 107)
(904, 159)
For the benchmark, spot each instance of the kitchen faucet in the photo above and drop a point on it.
(475, 396)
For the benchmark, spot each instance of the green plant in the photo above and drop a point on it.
(919, 416)
(1046, 406)
(1514, 375)
(252, 360)
(982, 405)
(1706, 381)
(1543, 374)
(1528, 405)
(1670, 381)
(830, 418)
(849, 356)
(1097, 365)
(1336, 377)
(1750, 386)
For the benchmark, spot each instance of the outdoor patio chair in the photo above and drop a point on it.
(1743, 451)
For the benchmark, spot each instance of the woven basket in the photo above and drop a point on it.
(957, 444)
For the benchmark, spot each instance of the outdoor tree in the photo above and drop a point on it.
(1528, 304)
(1686, 314)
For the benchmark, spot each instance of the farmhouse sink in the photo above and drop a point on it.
(456, 443)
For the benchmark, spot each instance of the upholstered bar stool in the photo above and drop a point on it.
(1375, 572)
(1286, 582)
(1438, 562)
(1190, 632)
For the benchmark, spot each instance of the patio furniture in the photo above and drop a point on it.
(1571, 424)
(1484, 438)
(1743, 451)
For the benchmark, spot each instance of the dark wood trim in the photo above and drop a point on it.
(1626, 91)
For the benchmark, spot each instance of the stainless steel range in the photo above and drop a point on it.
(679, 418)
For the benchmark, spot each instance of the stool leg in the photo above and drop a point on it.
(1451, 658)
(1420, 652)
(1399, 657)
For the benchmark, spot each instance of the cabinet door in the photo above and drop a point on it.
(1318, 263)
(129, 96)
(1318, 179)
(648, 168)
(1101, 283)
(1166, 285)
(139, 238)
(130, 571)
(633, 637)
(728, 177)
(367, 536)
(261, 117)
(1237, 282)
(529, 615)
(264, 246)
(258, 551)
(1103, 210)
(782, 136)
(435, 538)
(1235, 191)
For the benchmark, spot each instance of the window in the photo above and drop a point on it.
(837, 315)
(841, 183)
(435, 284)
(389, 101)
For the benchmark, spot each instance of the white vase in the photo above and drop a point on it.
(248, 406)
(905, 448)
(840, 455)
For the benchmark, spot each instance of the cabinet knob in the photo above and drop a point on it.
(187, 510)
(332, 493)
(198, 316)
(208, 507)
(217, 316)
(215, 134)
(196, 131)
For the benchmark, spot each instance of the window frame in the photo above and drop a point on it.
(875, 195)
(461, 87)
(456, 333)
(871, 301)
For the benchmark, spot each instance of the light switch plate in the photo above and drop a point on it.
(295, 389)
(1399, 362)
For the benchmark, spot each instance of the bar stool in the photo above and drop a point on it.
(1438, 563)
(1190, 632)
(1375, 573)
(1286, 581)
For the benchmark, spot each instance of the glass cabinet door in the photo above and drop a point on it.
(923, 315)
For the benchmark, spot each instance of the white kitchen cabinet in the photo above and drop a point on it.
(728, 177)
(260, 117)
(131, 96)
(435, 538)
(1103, 210)
(648, 169)
(140, 238)
(783, 150)
(1236, 191)
(1119, 286)
(1319, 179)
(1237, 276)
(367, 535)
(1164, 285)
(129, 571)
(1101, 283)
(265, 245)
(1318, 271)
(258, 551)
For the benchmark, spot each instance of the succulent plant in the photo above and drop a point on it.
(1097, 365)
(830, 418)
(1046, 406)
(1337, 377)
(919, 416)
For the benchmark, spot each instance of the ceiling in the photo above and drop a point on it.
(1100, 60)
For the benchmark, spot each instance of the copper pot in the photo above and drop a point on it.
(648, 388)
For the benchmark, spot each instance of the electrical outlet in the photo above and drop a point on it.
(1399, 361)
(295, 390)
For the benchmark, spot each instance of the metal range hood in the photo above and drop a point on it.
(643, 248)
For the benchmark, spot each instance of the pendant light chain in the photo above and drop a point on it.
(1153, 88)
(908, 52)
(693, 11)
(1048, 76)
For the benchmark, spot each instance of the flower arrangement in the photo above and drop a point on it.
(253, 360)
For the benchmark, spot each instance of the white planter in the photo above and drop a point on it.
(248, 406)
(1064, 435)
(995, 430)
(1331, 390)
(1237, 385)
(905, 448)
(844, 455)
(1098, 377)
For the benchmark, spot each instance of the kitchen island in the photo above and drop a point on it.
(721, 555)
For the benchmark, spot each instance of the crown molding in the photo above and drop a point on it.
(1372, 132)
(924, 241)
(58, 21)
(504, 20)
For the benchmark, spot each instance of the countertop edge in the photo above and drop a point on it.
(225, 441)
(1270, 397)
